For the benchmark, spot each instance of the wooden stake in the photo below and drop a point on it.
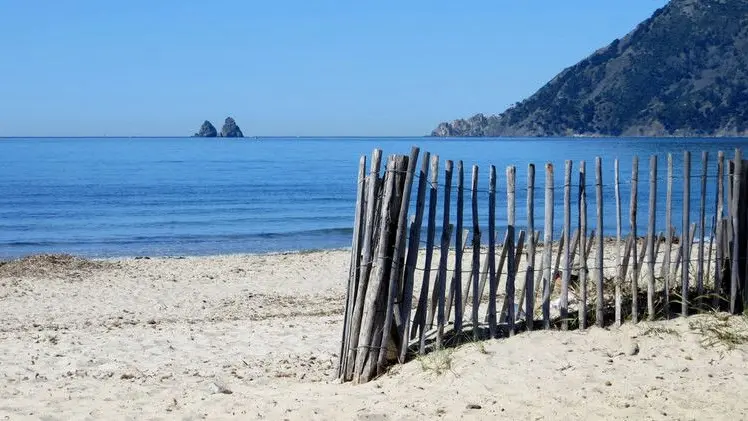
(702, 228)
(476, 252)
(669, 239)
(412, 257)
(456, 288)
(511, 266)
(372, 188)
(632, 221)
(442, 280)
(583, 245)
(651, 235)
(599, 315)
(621, 273)
(548, 245)
(719, 252)
(735, 214)
(686, 222)
(492, 284)
(430, 235)
(529, 275)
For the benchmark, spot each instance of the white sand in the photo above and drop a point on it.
(155, 339)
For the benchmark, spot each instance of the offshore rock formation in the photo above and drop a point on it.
(230, 129)
(206, 130)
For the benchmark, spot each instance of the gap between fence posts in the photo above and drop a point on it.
(621, 275)
(634, 260)
(599, 314)
(651, 237)
(686, 245)
(547, 245)
(583, 245)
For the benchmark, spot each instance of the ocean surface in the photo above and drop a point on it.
(190, 196)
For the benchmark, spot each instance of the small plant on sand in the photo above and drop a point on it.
(437, 362)
(659, 331)
(720, 330)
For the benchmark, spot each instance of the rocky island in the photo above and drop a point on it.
(229, 129)
(682, 72)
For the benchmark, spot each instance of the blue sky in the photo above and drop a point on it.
(285, 67)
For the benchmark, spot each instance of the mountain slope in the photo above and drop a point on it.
(682, 72)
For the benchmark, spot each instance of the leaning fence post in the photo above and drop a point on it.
(372, 189)
(412, 258)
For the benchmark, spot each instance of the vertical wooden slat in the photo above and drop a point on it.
(456, 287)
(492, 284)
(651, 235)
(529, 275)
(621, 273)
(634, 260)
(599, 315)
(392, 314)
(517, 261)
(353, 278)
(396, 281)
(372, 187)
(669, 239)
(412, 258)
(583, 245)
(548, 245)
(686, 245)
(476, 251)
(719, 252)
(565, 280)
(702, 227)
(430, 235)
(734, 212)
(511, 265)
(444, 255)
(450, 298)
(433, 307)
(370, 337)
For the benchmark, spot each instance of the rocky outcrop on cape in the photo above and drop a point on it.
(682, 72)
(206, 130)
(230, 129)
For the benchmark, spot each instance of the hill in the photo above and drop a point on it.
(682, 72)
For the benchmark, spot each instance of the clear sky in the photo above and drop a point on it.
(285, 67)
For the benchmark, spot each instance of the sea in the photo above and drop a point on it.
(116, 197)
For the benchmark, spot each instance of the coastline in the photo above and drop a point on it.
(257, 336)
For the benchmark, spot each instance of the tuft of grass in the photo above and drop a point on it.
(720, 330)
(437, 362)
(660, 331)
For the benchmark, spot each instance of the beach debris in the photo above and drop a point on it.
(216, 389)
(631, 348)
(473, 406)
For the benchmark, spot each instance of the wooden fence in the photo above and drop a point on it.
(402, 301)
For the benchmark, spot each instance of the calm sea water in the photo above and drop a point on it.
(188, 196)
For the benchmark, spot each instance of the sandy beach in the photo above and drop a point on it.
(257, 337)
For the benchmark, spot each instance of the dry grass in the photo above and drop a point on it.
(437, 362)
(721, 331)
(50, 265)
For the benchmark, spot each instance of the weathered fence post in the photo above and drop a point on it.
(529, 275)
(702, 229)
(492, 284)
(651, 236)
(476, 251)
(621, 276)
(442, 280)
(511, 265)
(583, 245)
(686, 245)
(372, 189)
(719, 252)
(566, 278)
(634, 261)
(548, 245)
(412, 258)
(735, 213)
(599, 314)
(669, 239)
(431, 233)
(353, 275)
(456, 288)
